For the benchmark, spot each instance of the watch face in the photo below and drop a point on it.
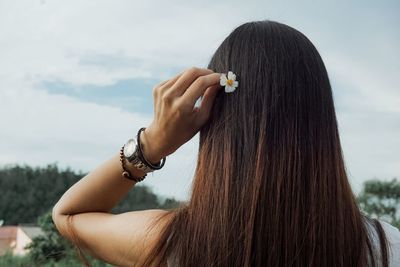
(129, 148)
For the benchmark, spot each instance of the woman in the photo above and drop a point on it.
(270, 187)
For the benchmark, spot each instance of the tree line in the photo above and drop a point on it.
(28, 192)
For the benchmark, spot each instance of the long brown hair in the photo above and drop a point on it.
(270, 186)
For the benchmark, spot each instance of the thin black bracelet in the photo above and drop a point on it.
(140, 153)
(126, 173)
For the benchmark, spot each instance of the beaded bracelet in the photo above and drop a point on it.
(126, 173)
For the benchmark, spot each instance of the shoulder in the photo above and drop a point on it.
(392, 233)
(393, 237)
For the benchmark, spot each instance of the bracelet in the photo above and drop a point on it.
(146, 162)
(126, 173)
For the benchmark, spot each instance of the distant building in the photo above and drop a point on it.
(15, 238)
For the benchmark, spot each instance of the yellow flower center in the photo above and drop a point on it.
(229, 82)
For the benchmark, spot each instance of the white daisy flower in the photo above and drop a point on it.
(229, 82)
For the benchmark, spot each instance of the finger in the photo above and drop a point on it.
(198, 87)
(187, 78)
(156, 90)
(161, 88)
(203, 112)
(170, 82)
(160, 83)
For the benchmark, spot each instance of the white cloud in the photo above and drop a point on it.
(370, 142)
(368, 116)
(102, 42)
(375, 86)
(42, 128)
(97, 43)
(48, 40)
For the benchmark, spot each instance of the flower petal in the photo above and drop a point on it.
(235, 84)
(229, 89)
(231, 75)
(223, 80)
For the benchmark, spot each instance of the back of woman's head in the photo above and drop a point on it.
(270, 186)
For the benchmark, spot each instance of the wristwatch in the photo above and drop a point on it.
(133, 154)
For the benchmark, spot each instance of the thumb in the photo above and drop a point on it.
(203, 112)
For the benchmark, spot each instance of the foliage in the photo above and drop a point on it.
(381, 199)
(50, 245)
(51, 249)
(8, 260)
(170, 203)
(26, 193)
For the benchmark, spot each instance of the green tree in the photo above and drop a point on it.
(26, 193)
(170, 203)
(50, 245)
(381, 199)
(51, 249)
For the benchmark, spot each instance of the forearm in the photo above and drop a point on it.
(100, 190)
(175, 122)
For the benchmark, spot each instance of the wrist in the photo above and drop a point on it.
(149, 151)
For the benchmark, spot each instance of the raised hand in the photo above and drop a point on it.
(176, 119)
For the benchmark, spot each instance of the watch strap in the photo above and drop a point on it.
(140, 153)
(138, 159)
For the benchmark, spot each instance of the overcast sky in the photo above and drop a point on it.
(76, 76)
